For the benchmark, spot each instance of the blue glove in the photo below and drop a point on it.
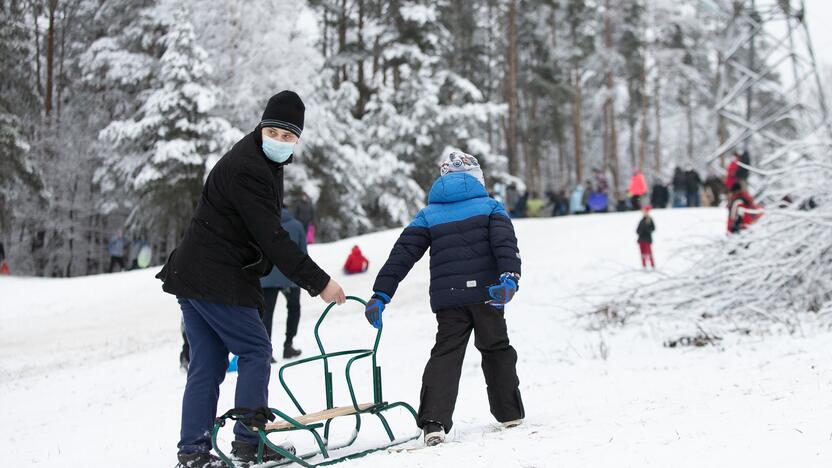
(375, 308)
(502, 293)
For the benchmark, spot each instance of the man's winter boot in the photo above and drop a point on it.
(199, 460)
(289, 352)
(246, 453)
(511, 424)
(434, 434)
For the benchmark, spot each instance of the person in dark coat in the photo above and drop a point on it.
(659, 196)
(714, 186)
(645, 237)
(680, 186)
(521, 206)
(234, 238)
(692, 184)
(475, 269)
(276, 282)
(304, 210)
(117, 248)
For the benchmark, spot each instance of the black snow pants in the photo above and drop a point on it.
(292, 307)
(440, 382)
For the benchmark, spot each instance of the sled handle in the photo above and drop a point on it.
(326, 312)
(327, 374)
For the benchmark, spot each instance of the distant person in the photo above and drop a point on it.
(116, 248)
(598, 202)
(534, 206)
(645, 237)
(637, 189)
(4, 265)
(621, 203)
(276, 282)
(714, 189)
(680, 187)
(520, 207)
(602, 184)
(577, 204)
(304, 211)
(742, 211)
(692, 185)
(659, 196)
(737, 173)
(742, 171)
(563, 203)
(356, 262)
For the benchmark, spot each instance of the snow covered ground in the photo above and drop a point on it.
(89, 372)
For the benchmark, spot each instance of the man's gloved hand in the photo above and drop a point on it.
(375, 307)
(503, 292)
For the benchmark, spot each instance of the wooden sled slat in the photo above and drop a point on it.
(316, 417)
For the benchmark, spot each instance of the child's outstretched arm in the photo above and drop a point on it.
(409, 248)
(503, 240)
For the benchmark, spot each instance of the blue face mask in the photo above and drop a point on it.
(277, 151)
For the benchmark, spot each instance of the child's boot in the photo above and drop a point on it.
(434, 434)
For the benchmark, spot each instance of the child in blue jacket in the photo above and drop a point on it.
(474, 270)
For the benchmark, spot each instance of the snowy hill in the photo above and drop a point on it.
(89, 373)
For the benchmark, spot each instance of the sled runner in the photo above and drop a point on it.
(321, 420)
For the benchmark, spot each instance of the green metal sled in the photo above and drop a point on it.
(313, 422)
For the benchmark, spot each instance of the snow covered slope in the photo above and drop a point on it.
(89, 373)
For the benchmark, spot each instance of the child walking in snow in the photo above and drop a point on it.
(474, 269)
(645, 237)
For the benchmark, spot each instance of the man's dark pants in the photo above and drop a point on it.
(213, 330)
(440, 382)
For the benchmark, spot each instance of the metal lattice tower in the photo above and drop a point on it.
(758, 112)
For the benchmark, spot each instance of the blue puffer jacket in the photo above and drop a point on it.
(471, 242)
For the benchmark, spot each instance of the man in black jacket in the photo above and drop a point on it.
(234, 238)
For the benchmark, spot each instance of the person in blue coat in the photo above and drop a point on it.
(276, 282)
(474, 271)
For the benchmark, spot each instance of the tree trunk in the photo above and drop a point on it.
(35, 15)
(511, 90)
(577, 125)
(721, 125)
(689, 119)
(342, 39)
(50, 58)
(642, 147)
(532, 153)
(657, 109)
(609, 107)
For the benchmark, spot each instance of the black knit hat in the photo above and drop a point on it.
(285, 110)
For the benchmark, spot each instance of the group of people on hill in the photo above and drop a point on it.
(742, 210)
(686, 189)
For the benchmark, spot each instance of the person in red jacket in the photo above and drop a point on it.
(356, 262)
(637, 189)
(742, 211)
(731, 177)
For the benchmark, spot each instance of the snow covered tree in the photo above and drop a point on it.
(19, 178)
(160, 154)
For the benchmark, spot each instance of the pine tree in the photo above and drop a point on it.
(162, 153)
(19, 178)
